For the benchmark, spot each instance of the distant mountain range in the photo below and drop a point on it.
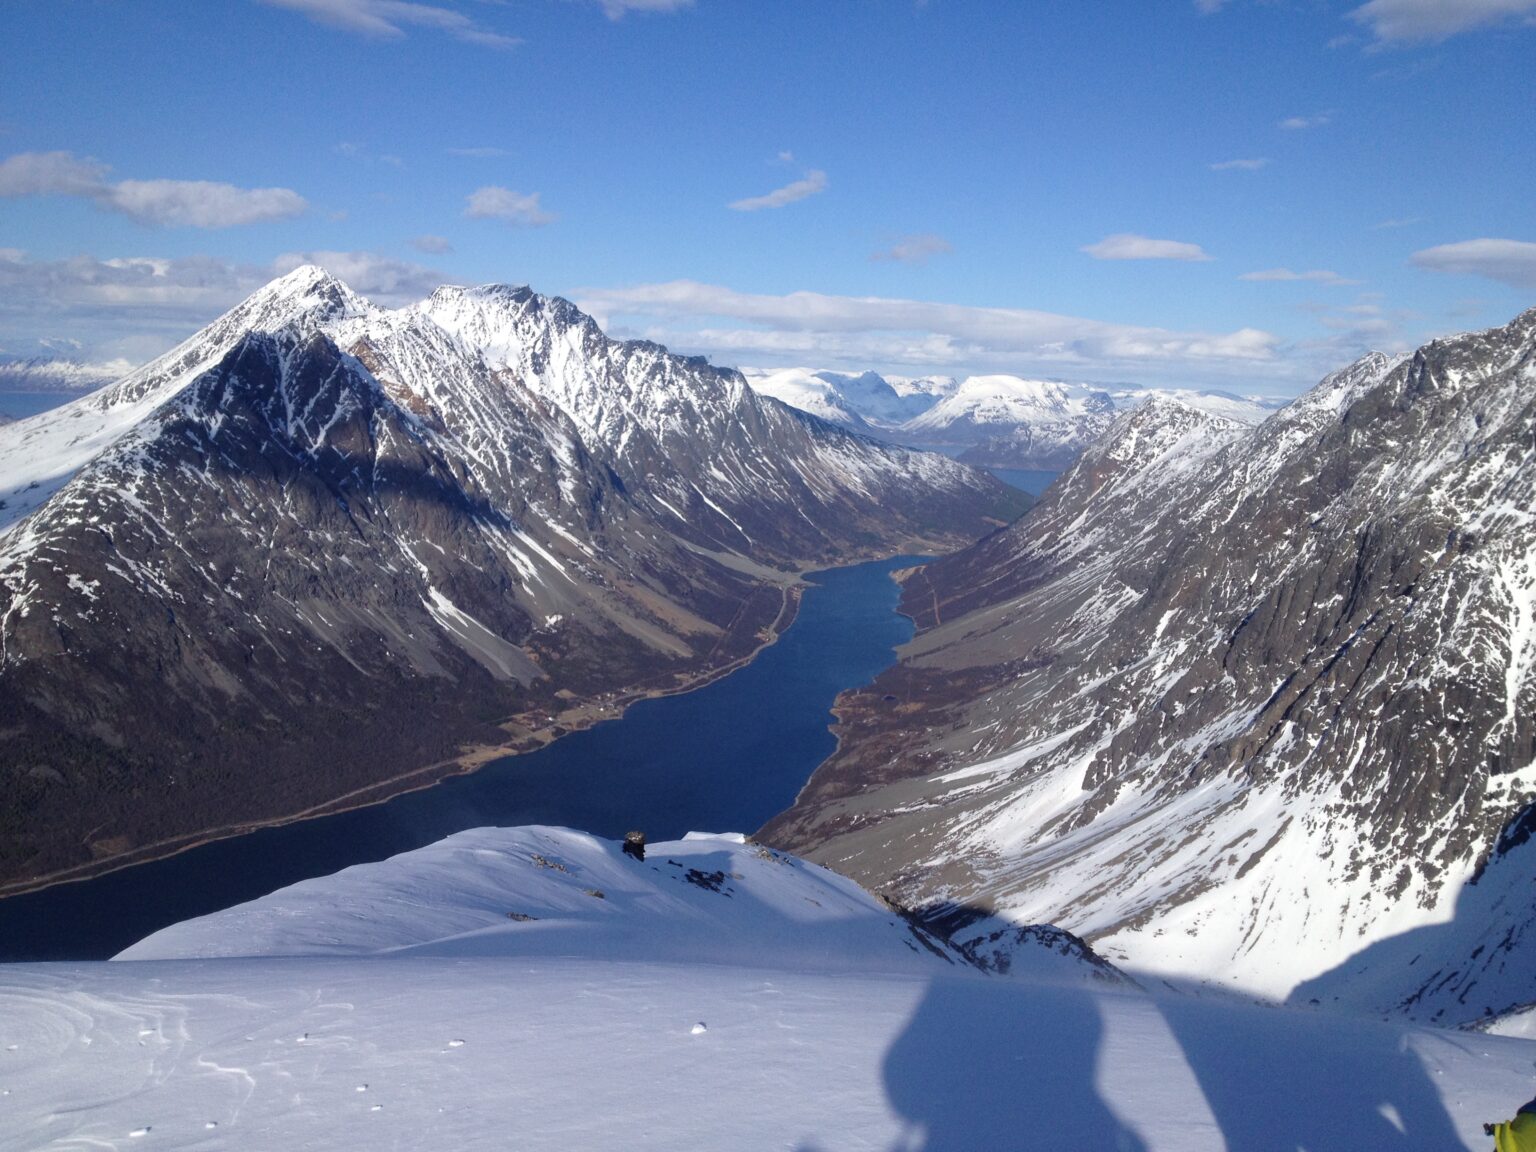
(996, 421)
(56, 374)
(1253, 705)
(324, 550)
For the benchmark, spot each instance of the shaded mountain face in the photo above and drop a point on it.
(1237, 704)
(322, 547)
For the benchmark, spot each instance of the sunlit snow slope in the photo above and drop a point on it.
(534, 988)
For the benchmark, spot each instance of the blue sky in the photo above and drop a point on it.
(1238, 193)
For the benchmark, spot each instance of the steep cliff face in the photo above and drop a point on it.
(322, 546)
(1234, 704)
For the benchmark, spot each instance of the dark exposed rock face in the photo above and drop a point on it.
(1230, 703)
(321, 546)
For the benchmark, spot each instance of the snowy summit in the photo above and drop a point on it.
(537, 988)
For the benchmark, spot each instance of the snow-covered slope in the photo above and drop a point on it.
(38, 455)
(809, 392)
(1245, 705)
(1000, 401)
(542, 891)
(533, 988)
(322, 546)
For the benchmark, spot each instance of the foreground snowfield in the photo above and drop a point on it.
(715, 996)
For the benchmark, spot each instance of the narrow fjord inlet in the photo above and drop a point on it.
(722, 758)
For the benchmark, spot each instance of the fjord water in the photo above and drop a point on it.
(1032, 480)
(723, 758)
(19, 405)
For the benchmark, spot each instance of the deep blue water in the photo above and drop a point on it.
(723, 758)
(1031, 480)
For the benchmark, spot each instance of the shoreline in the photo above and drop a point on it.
(583, 715)
(898, 576)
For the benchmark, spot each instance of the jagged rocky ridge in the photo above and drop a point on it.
(1253, 706)
(321, 546)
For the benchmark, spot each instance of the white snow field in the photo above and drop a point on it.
(480, 993)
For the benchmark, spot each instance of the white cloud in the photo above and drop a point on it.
(188, 203)
(479, 153)
(201, 203)
(496, 203)
(615, 9)
(1316, 275)
(1210, 7)
(1251, 165)
(860, 331)
(51, 174)
(1129, 246)
(1511, 262)
(813, 182)
(433, 244)
(1401, 222)
(916, 249)
(1354, 330)
(1406, 21)
(388, 19)
(1302, 123)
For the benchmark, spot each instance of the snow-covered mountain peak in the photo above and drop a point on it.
(1045, 391)
(553, 892)
(500, 317)
(1000, 402)
(1164, 434)
(306, 299)
(311, 286)
(814, 392)
(315, 509)
(302, 280)
(39, 455)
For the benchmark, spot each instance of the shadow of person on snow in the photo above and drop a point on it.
(1279, 1080)
(983, 1065)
